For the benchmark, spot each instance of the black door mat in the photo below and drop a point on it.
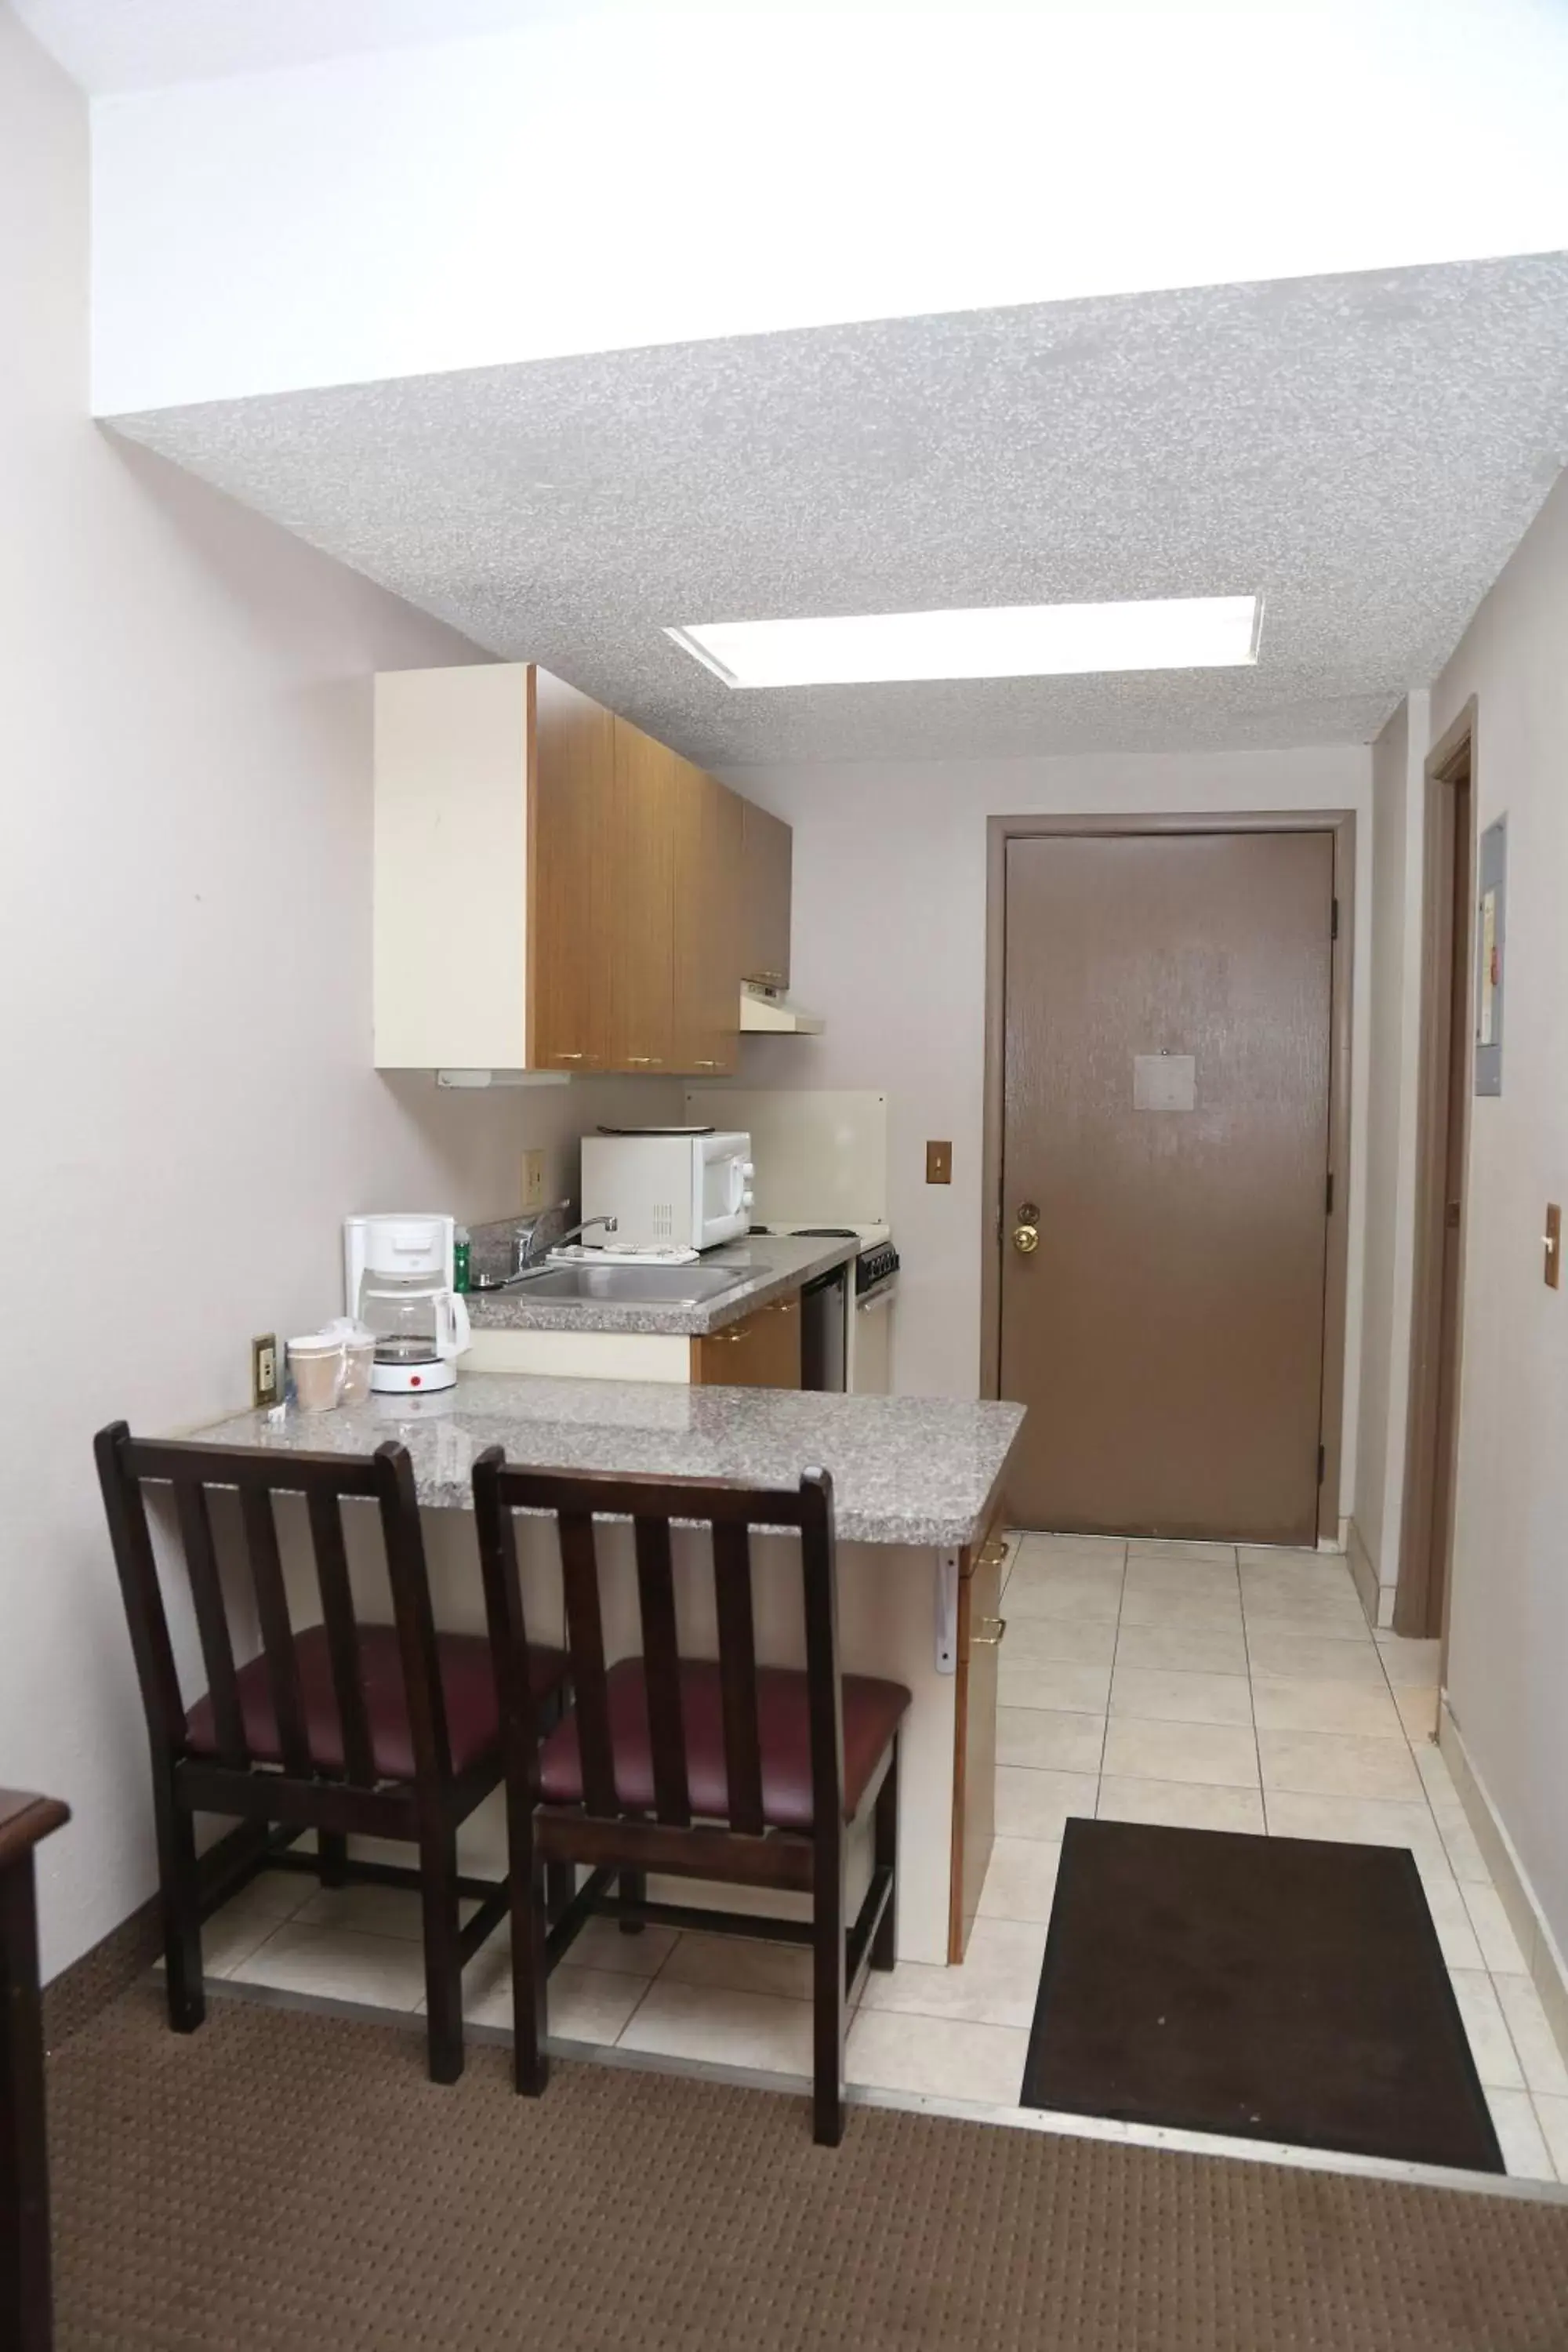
(1276, 1989)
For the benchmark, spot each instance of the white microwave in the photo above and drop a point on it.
(686, 1191)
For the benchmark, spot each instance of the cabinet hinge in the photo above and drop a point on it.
(1323, 1463)
(1334, 921)
(1328, 1196)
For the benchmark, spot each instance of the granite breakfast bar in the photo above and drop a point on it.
(917, 1488)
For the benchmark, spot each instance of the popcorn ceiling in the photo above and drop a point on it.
(1365, 450)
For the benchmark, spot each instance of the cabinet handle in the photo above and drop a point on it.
(991, 1641)
(700, 1065)
(643, 1058)
(566, 1057)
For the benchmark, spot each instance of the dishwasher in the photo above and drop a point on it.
(823, 1329)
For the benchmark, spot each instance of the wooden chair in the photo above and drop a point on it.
(27, 2323)
(718, 1769)
(343, 1727)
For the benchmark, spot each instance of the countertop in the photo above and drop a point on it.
(906, 1470)
(765, 1268)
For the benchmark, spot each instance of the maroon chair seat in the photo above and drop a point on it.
(467, 1686)
(873, 1711)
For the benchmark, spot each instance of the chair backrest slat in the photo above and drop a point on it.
(661, 1670)
(212, 1620)
(738, 1676)
(342, 1635)
(409, 1578)
(276, 1633)
(585, 1644)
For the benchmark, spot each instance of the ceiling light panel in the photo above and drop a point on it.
(989, 641)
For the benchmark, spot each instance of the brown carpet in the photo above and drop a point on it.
(1263, 1988)
(287, 2182)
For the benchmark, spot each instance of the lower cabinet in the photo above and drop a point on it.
(761, 1351)
(980, 1631)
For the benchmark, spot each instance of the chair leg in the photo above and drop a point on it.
(442, 1965)
(827, 1992)
(885, 1856)
(181, 1892)
(333, 1852)
(533, 1886)
(634, 1889)
(560, 1885)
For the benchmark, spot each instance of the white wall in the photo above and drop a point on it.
(616, 177)
(185, 977)
(1398, 794)
(889, 946)
(1508, 1621)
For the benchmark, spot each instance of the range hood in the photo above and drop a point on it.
(768, 1011)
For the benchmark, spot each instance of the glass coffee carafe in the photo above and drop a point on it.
(419, 1324)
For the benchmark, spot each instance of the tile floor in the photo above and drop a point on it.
(1204, 1685)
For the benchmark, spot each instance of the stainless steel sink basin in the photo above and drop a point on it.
(631, 1285)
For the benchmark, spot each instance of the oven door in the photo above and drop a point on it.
(871, 1341)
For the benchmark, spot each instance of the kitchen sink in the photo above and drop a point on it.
(631, 1285)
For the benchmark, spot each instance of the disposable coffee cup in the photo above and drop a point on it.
(316, 1366)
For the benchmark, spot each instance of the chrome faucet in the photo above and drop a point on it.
(526, 1251)
(559, 1241)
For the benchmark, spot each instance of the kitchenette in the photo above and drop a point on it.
(656, 1330)
(714, 1296)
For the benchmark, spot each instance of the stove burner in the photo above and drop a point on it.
(823, 1233)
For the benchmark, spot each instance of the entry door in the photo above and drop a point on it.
(1165, 1139)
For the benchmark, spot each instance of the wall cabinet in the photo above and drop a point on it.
(709, 822)
(767, 868)
(762, 1351)
(554, 889)
(570, 782)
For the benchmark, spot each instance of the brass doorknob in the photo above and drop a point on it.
(1025, 1239)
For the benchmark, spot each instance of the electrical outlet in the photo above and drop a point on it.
(264, 1370)
(533, 1180)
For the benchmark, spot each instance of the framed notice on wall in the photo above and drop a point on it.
(1490, 944)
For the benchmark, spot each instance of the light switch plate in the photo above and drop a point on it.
(939, 1163)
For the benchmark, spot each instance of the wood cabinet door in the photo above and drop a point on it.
(761, 1351)
(640, 859)
(709, 823)
(573, 792)
(767, 857)
(980, 1631)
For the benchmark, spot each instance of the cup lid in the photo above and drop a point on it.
(314, 1343)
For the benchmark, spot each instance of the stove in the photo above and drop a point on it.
(878, 1263)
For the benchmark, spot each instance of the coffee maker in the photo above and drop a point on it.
(398, 1282)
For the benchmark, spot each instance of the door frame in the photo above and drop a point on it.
(1421, 1593)
(1341, 825)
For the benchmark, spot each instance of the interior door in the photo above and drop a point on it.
(1165, 1173)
